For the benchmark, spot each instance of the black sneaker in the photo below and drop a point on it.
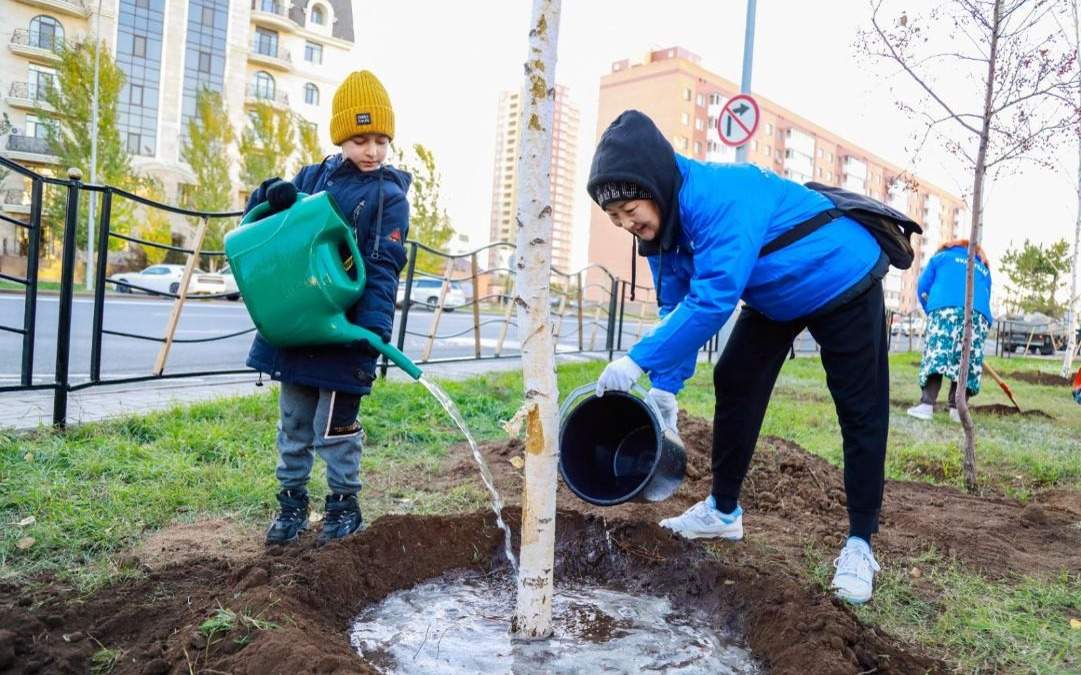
(342, 518)
(292, 518)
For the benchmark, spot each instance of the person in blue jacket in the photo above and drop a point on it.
(702, 227)
(321, 386)
(941, 291)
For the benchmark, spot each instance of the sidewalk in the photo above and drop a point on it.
(27, 410)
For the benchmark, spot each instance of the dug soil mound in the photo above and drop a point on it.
(1003, 410)
(1036, 377)
(288, 609)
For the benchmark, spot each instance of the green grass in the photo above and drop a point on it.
(977, 625)
(99, 489)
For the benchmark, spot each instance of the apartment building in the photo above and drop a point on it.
(292, 53)
(562, 178)
(685, 100)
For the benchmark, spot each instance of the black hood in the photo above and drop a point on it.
(632, 149)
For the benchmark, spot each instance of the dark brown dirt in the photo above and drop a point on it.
(1003, 410)
(793, 501)
(1036, 377)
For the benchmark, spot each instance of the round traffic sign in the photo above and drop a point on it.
(738, 120)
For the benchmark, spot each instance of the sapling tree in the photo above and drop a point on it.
(533, 611)
(993, 82)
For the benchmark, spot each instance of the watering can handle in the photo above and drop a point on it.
(260, 209)
(581, 391)
(386, 349)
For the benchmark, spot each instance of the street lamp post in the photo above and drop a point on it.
(92, 202)
(748, 57)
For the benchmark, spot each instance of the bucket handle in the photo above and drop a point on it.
(581, 391)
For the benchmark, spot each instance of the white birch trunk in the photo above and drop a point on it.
(533, 614)
(1071, 303)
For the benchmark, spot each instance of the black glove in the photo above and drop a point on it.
(281, 195)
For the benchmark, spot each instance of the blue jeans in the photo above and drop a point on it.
(320, 421)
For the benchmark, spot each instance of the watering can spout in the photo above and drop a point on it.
(393, 354)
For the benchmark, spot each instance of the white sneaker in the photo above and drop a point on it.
(704, 521)
(922, 411)
(955, 416)
(855, 576)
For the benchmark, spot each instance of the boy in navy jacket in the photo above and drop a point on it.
(321, 386)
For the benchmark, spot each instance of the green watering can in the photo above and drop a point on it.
(290, 268)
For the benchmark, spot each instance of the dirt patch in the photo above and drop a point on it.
(1003, 410)
(310, 594)
(183, 542)
(794, 503)
(1036, 377)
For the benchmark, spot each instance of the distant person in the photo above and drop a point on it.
(703, 228)
(941, 291)
(321, 386)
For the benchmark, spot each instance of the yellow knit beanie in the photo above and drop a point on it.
(361, 106)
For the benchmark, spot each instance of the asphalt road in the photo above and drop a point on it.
(127, 357)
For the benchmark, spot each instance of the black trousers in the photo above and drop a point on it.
(853, 345)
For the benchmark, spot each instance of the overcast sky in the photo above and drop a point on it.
(445, 63)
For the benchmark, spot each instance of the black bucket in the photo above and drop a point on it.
(614, 449)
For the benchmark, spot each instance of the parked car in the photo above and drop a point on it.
(1035, 332)
(426, 292)
(166, 279)
(230, 283)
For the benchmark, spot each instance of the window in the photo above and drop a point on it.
(769, 128)
(769, 150)
(207, 18)
(204, 62)
(318, 17)
(135, 94)
(311, 94)
(46, 33)
(138, 46)
(697, 148)
(313, 53)
(266, 42)
(754, 144)
(699, 123)
(686, 94)
(700, 99)
(134, 143)
(142, 4)
(264, 85)
(715, 99)
(39, 81)
(684, 119)
(37, 127)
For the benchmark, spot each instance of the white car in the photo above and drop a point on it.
(230, 283)
(426, 292)
(166, 279)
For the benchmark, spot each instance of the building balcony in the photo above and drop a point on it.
(29, 149)
(15, 200)
(35, 45)
(856, 168)
(272, 14)
(800, 142)
(28, 96)
(69, 7)
(272, 57)
(277, 99)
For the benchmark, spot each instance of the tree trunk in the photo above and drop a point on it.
(1071, 302)
(973, 243)
(533, 613)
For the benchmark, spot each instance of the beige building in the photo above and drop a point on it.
(563, 167)
(292, 53)
(685, 99)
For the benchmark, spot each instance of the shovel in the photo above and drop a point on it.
(1001, 383)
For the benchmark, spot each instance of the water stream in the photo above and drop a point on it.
(485, 472)
(452, 626)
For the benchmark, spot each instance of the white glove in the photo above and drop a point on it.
(619, 375)
(666, 403)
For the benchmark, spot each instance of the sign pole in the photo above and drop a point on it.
(748, 57)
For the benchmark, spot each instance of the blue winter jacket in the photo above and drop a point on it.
(942, 283)
(380, 231)
(707, 256)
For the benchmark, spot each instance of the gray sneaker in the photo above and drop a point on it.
(856, 567)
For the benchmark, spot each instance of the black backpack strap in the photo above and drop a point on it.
(800, 231)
